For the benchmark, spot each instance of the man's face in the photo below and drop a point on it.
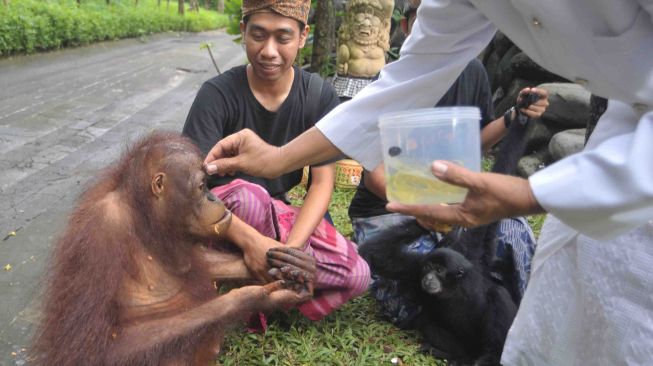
(271, 43)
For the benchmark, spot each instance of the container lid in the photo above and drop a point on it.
(429, 116)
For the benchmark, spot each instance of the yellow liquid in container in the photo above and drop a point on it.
(415, 187)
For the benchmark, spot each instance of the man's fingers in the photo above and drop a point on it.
(223, 166)
(453, 173)
(223, 149)
(224, 156)
(542, 92)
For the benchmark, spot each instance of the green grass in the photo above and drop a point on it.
(353, 335)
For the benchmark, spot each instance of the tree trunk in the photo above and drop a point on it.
(135, 2)
(79, 2)
(108, 2)
(220, 6)
(181, 7)
(6, 2)
(324, 36)
(158, 3)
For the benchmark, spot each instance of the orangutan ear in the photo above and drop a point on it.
(158, 184)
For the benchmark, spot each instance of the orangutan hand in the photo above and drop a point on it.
(276, 294)
(293, 265)
(283, 295)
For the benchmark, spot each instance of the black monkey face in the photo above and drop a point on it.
(431, 282)
(442, 271)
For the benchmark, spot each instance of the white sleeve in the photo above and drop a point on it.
(648, 6)
(607, 189)
(445, 37)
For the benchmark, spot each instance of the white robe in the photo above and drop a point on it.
(589, 300)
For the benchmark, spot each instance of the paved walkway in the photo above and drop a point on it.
(63, 116)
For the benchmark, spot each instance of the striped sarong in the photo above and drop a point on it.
(341, 272)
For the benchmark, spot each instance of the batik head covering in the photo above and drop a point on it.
(295, 9)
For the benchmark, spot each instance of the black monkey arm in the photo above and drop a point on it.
(385, 255)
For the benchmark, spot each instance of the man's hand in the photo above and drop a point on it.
(490, 197)
(536, 109)
(244, 152)
(255, 257)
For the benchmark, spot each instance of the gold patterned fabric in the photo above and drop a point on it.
(295, 9)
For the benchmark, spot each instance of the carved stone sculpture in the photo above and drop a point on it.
(363, 40)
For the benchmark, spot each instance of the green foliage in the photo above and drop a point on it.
(536, 222)
(34, 25)
(233, 9)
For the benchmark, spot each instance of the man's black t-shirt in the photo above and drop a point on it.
(472, 88)
(225, 105)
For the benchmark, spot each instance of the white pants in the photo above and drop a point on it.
(588, 302)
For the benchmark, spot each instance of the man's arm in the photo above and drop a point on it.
(375, 181)
(246, 152)
(315, 205)
(496, 130)
(254, 246)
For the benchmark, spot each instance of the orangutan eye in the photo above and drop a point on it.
(202, 186)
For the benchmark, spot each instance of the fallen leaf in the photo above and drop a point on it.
(8, 267)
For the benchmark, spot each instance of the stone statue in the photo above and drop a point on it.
(363, 40)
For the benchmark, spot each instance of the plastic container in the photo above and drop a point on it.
(411, 140)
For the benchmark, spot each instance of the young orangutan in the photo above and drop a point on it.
(130, 282)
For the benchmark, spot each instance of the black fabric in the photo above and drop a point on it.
(225, 105)
(472, 88)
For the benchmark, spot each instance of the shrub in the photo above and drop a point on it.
(34, 25)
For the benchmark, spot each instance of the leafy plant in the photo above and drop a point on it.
(233, 9)
(33, 25)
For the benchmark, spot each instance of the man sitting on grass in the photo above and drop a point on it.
(273, 98)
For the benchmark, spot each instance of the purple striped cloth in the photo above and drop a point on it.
(341, 272)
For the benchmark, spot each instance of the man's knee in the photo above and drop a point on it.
(359, 279)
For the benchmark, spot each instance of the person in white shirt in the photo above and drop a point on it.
(589, 297)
